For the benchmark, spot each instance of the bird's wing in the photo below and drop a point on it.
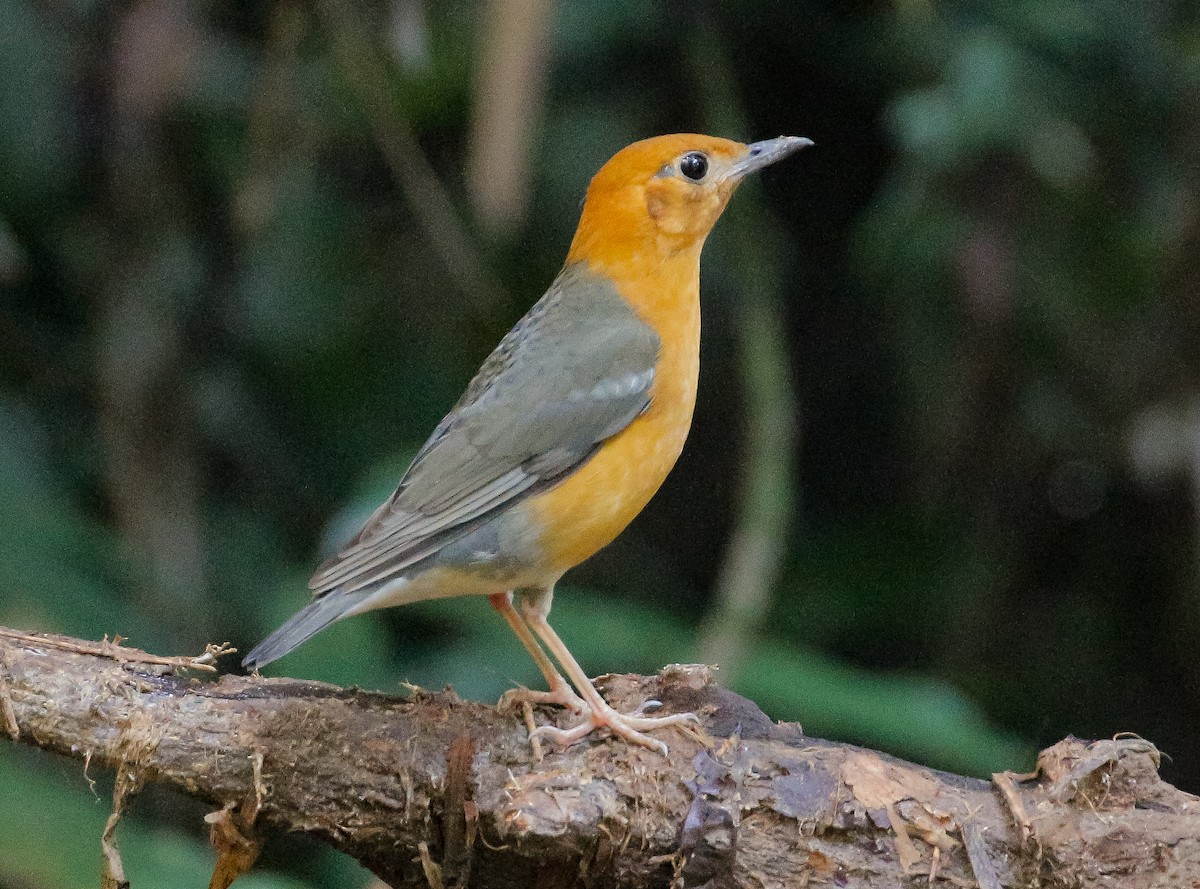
(576, 370)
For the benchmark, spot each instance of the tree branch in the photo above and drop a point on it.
(356, 55)
(432, 790)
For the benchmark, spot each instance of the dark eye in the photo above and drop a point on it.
(694, 166)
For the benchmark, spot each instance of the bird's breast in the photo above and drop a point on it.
(594, 504)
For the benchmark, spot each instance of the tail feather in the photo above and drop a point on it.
(302, 626)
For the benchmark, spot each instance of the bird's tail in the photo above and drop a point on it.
(303, 625)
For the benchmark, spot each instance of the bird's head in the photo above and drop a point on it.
(660, 197)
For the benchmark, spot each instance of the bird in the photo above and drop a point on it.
(565, 433)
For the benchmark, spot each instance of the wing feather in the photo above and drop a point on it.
(401, 534)
(577, 369)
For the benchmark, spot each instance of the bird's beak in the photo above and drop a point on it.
(765, 153)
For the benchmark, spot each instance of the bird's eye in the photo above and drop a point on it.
(693, 165)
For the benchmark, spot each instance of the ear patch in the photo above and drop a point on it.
(664, 208)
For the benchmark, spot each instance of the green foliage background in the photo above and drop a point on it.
(225, 329)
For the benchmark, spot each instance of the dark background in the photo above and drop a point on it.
(941, 494)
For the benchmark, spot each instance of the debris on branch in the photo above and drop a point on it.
(431, 790)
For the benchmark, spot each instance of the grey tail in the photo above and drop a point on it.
(302, 626)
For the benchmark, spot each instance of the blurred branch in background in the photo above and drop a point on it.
(1183, 288)
(754, 556)
(271, 116)
(510, 87)
(356, 54)
(968, 464)
(151, 277)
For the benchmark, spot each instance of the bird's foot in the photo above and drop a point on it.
(630, 727)
(560, 695)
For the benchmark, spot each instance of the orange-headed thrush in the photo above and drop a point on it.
(567, 430)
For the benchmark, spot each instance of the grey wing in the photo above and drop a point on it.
(576, 370)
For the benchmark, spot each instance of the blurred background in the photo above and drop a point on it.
(942, 496)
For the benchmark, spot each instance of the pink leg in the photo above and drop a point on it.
(560, 692)
(599, 713)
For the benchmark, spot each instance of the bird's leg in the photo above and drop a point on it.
(560, 692)
(599, 713)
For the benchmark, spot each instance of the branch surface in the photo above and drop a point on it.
(431, 790)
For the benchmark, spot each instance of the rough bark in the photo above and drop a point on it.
(430, 790)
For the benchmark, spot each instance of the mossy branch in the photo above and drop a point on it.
(430, 790)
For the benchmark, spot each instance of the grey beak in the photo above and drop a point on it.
(763, 154)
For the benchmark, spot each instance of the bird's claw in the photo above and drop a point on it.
(563, 696)
(647, 706)
(628, 726)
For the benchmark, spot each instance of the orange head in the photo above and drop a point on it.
(659, 198)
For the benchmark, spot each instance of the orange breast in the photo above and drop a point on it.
(595, 503)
